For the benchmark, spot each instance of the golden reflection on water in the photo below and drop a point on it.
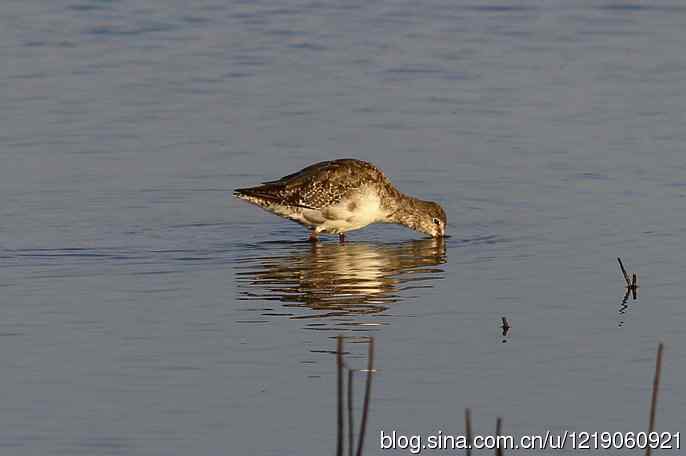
(341, 279)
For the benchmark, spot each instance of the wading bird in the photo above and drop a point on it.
(334, 197)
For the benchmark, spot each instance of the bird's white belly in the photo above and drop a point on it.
(350, 214)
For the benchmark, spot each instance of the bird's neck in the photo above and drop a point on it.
(405, 209)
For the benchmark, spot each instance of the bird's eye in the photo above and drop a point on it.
(436, 221)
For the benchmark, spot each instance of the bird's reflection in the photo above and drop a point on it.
(341, 279)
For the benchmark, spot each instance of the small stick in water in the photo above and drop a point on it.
(626, 276)
(656, 386)
(367, 394)
(631, 285)
(498, 429)
(505, 326)
(350, 412)
(339, 392)
(468, 431)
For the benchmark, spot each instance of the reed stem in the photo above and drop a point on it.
(339, 392)
(498, 430)
(626, 276)
(351, 439)
(656, 386)
(468, 431)
(367, 394)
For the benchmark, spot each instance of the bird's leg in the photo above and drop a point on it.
(313, 236)
(341, 237)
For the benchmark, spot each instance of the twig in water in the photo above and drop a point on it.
(468, 431)
(367, 394)
(350, 412)
(631, 285)
(626, 276)
(339, 391)
(505, 326)
(498, 429)
(656, 386)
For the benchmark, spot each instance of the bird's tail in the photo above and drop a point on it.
(266, 194)
(262, 195)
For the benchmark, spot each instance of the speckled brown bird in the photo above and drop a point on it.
(334, 197)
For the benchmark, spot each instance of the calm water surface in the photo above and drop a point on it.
(146, 312)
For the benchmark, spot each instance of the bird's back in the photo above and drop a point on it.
(317, 186)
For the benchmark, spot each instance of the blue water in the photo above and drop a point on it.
(147, 312)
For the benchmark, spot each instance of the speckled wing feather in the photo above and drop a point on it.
(318, 186)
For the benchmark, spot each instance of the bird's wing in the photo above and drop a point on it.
(318, 186)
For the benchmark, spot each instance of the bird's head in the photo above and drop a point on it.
(424, 216)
